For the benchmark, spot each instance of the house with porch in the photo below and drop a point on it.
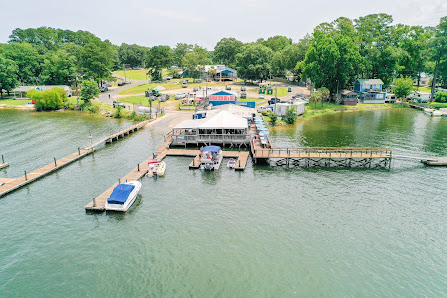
(370, 90)
(221, 73)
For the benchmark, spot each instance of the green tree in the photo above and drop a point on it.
(131, 55)
(8, 74)
(59, 68)
(52, 99)
(254, 62)
(441, 96)
(325, 93)
(273, 118)
(89, 90)
(194, 62)
(402, 87)
(97, 60)
(27, 60)
(295, 53)
(179, 52)
(277, 43)
(226, 50)
(332, 60)
(157, 58)
(316, 97)
(291, 116)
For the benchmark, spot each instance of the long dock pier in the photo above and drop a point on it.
(10, 184)
(3, 164)
(126, 131)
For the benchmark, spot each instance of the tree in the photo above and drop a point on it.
(157, 58)
(194, 62)
(8, 74)
(27, 60)
(273, 118)
(179, 52)
(441, 96)
(59, 68)
(48, 100)
(89, 90)
(324, 95)
(226, 50)
(332, 60)
(295, 53)
(291, 115)
(403, 87)
(316, 97)
(254, 62)
(97, 60)
(132, 55)
(277, 43)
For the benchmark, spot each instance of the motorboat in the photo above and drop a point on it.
(210, 158)
(156, 167)
(231, 163)
(123, 196)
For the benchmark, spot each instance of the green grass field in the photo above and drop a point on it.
(424, 89)
(144, 101)
(139, 75)
(171, 86)
(14, 102)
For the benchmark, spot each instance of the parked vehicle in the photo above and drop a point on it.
(261, 96)
(121, 83)
(180, 95)
(117, 103)
(195, 89)
(103, 88)
(164, 97)
(184, 85)
(273, 100)
(265, 109)
(243, 88)
(228, 87)
(243, 95)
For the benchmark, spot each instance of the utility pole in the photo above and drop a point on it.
(276, 94)
(124, 68)
(433, 87)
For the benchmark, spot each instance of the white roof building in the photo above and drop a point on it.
(220, 120)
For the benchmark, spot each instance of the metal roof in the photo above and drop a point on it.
(371, 81)
(44, 88)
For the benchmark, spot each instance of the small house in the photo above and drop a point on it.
(222, 97)
(370, 90)
(348, 97)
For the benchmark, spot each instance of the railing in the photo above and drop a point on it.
(210, 137)
(327, 152)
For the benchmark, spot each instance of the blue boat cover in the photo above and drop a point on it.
(210, 149)
(120, 194)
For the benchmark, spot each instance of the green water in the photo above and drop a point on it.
(262, 232)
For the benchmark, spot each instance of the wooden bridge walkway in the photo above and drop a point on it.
(10, 184)
(126, 131)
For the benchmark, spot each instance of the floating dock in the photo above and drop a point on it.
(10, 185)
(439, 162)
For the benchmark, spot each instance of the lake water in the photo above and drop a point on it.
(262, 232)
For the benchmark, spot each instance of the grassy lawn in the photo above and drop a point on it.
(139, 75)
(436, 105)
(169, 86)
(424, 89)
(251, 99)
(282, 91)
(14, 102)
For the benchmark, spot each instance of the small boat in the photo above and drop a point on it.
(123, 196)
(231, 163)
(156, 167)
(210, 158)
(436, 113)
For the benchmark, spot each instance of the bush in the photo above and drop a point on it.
(273, 118)
(89, 90)
(441, 96)
(117, 113)
(48, 100)
(291, 115)
(92, 109)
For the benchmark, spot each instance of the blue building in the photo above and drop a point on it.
(370, 90)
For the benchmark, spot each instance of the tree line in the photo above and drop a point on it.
(333, 56)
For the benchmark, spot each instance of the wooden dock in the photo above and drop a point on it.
(10, 185)
(241, 162)
(4, 165)
(125, 132)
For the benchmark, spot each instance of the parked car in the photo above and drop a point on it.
(103, 88)
(121, 83)
(243, 88)
(265, 109)
(164, 97)
(273, 100)
(180, 95)
(117, 103)
(244, 95)
(195, 89)
(228, 87)
(184, 85)
(261, 96)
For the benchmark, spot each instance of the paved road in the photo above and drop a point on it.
(109, 96)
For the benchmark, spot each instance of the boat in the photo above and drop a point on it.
(428, 111)
(156, 167)
(123, 196)
(210, 158)
(436, 113)
(231, 163)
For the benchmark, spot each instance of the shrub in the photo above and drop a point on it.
(117, 113)
(273, 119)
(441, 96)
(48, 100)
(93, 109)
(291, 115)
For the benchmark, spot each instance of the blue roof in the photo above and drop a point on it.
(120, 194)
(211, 149)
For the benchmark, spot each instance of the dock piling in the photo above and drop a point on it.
(79, 151)
(3, 159)
(26, 178)
(94, 202)
(138, 167)
(55, 164)
(119, 180)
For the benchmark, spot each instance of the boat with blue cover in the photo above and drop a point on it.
(210, 158)
(123, 196)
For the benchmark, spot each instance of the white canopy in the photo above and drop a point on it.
(159, 88)
(221, 120)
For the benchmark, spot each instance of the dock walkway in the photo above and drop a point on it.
(126, 131)
(13, 184)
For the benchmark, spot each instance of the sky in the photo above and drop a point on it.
(204, 22)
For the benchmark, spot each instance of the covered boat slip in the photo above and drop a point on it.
(222, 128)
(120, 194)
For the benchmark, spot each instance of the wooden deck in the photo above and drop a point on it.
(126, 131)
(13, 184)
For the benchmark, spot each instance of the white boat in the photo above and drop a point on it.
(436, 113)
(123, 196)
(231, 163)
(428, 111)
(210, 158)
(156, 167)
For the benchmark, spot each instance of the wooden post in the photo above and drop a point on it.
(3, 159)
(119, 180)
(26, 177)
(79, 151)
(55, 164)
(94, 202)
(138, 167)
